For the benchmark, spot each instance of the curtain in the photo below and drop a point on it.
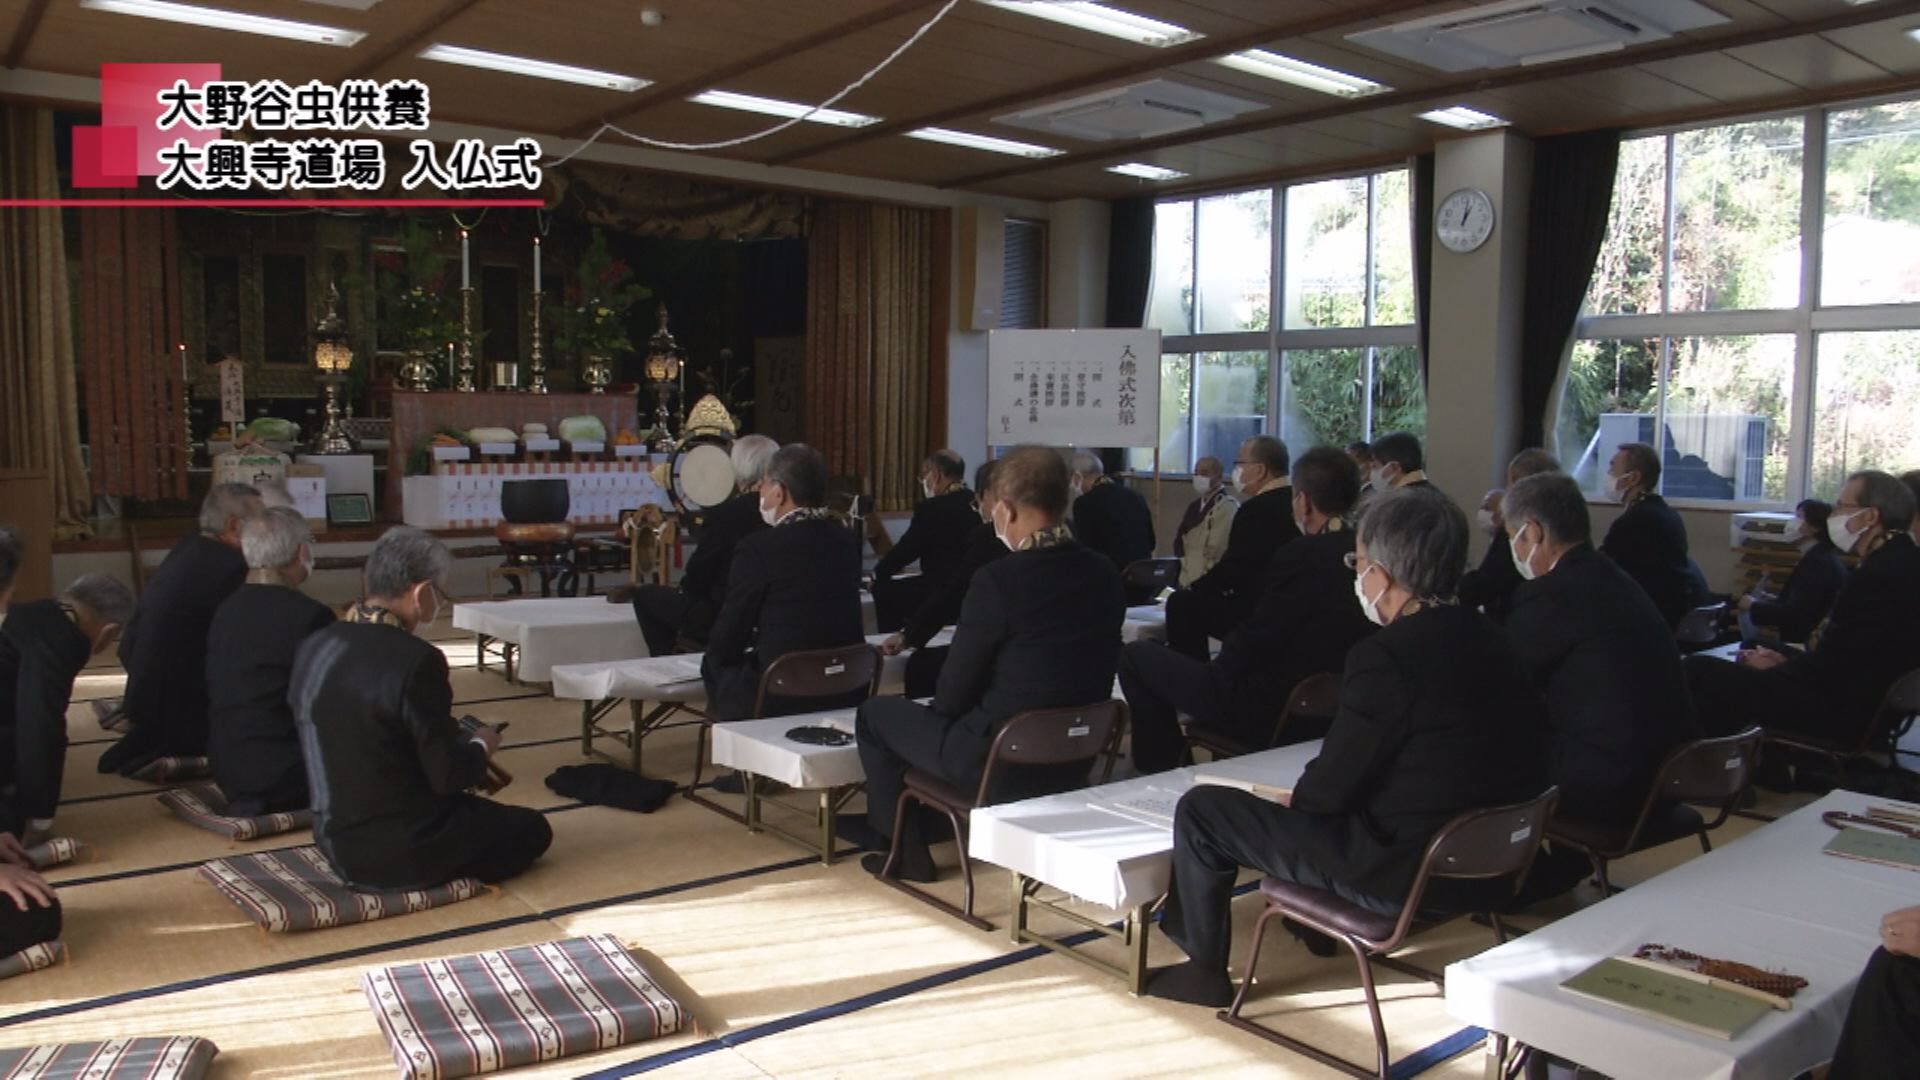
(39, 408)
(1571, 197)
(869, 344)
(130, 319)
(1422, 210)
(1130, 262)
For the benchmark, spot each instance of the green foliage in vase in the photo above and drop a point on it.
(590, 316)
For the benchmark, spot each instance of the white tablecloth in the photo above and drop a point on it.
(761, 747)
(1770, 899)
(1148, 622)
(652, 678)
(1102, 856)
(554, 631)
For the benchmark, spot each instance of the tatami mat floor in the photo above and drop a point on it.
(792, 969)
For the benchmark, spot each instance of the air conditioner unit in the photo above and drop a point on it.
(1140, 111)
(1516, 32)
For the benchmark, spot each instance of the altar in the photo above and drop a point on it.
(417, 416)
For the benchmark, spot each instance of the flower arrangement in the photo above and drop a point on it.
(418, 308)
(590, 316)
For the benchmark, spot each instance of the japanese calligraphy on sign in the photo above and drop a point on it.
(1073, 387)
(233, 392)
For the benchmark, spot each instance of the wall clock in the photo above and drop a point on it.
(1464, 220)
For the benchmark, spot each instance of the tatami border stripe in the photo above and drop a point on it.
(1430, 1057)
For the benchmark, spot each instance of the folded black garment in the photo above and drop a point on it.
(610, 785)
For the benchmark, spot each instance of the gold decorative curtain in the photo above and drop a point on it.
(130, 318)
(869, 344)
(673, 207)
(39, 408)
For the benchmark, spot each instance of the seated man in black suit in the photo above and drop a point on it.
(251, 742)
(43, 646)
(936, 538)
(1111, 518)
(793, 587)
(1489, 587)
(1648, 540)
(164, 648)
(1435, 720)
(1303, 625)
(1811, 589)
(1591, 642)
(666, 612)
(1832, 690)
(1213, 605)
(1880, 1032)
(1911, 478)
(29, 914)
(1398, 461)
(389, 768)
(941, 608)
(1039, 629)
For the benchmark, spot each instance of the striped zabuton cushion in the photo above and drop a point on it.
(499, 1010)
(202, 804)
(164, 770)
(178, 1058)
(297, 889)
(31, 958)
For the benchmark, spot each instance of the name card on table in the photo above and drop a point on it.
(1874, 846)
(1671, 998)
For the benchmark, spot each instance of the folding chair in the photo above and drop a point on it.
(1059, 737)
(816, 674)
(1709, 772)
(1151, 576)
(1478, 845)
(1700, 628)
(1316, 697)
(1890, 722)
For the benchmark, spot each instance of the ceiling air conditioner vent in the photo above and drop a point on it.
(1517, 32)
(1141, 111)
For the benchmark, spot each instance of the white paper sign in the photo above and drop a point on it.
(1073, 387)
(233, 392)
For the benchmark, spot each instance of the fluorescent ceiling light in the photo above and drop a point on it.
(539, 69)
(1272, 65)
(982, 142)
(1459, 116)
(1102, 19)
(727, 99)
(228, 20)
(1146, 172)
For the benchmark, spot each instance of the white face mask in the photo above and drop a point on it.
(1378, 479)
(1000, 532)
(1369, 608)
(1240, 477)
(1620, 487)
(1203, 484)
(1843, 537)
(433, 593)
(926, 487)
(1078, 489)
(1486, 519)
(1522, 563)
(767, 514)
(306, 559)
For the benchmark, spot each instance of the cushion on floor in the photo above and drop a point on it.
(165, 770)
(54, 851)
(297, 889)
(32, 958)
(177, 1058)
(203, 806)
(488, 1011)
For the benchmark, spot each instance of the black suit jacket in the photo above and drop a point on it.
(1263, 524)
(1304, 623)
(1040, 629)
(1592, 643)
(793, 588)
(1649, 542)
(1808, 595)
(1489, 588)
(941, 607)
(386, 761)
(1871, 639)
(1435, 720)
(251, 741)
(164, 645)
(707, 569)
(937, 537)
(41, 653)
(1113, 520)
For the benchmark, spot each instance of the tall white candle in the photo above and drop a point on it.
(466, 270)
(536, 264)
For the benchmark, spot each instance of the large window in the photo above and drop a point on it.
(1755, 310)
(1285, 310)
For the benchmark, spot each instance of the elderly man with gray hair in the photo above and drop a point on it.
(671, 613)
(1110, 518)
(164, 648)
(1435, 720)
(251, 742)
(388, 766)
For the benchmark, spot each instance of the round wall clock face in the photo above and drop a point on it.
(1464, 220)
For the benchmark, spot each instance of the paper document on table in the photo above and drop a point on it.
(1874, 846)
(1670, 997)
(1154, 806)
(1252, 787)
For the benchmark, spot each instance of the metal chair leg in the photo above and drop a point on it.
(966, 864)
(1373, 1006)
(1253, 959)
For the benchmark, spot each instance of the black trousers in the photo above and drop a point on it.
(1216, 831)
(1882, 1034)
(24, 928)
(1159, 684)
(666, 614)
(472, 837)
(1730, 697)
(33, 759)
(894, 599)
(923, 671)
(269, 794)
(1192, 618)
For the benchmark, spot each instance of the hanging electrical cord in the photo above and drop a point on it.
(663, 144)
